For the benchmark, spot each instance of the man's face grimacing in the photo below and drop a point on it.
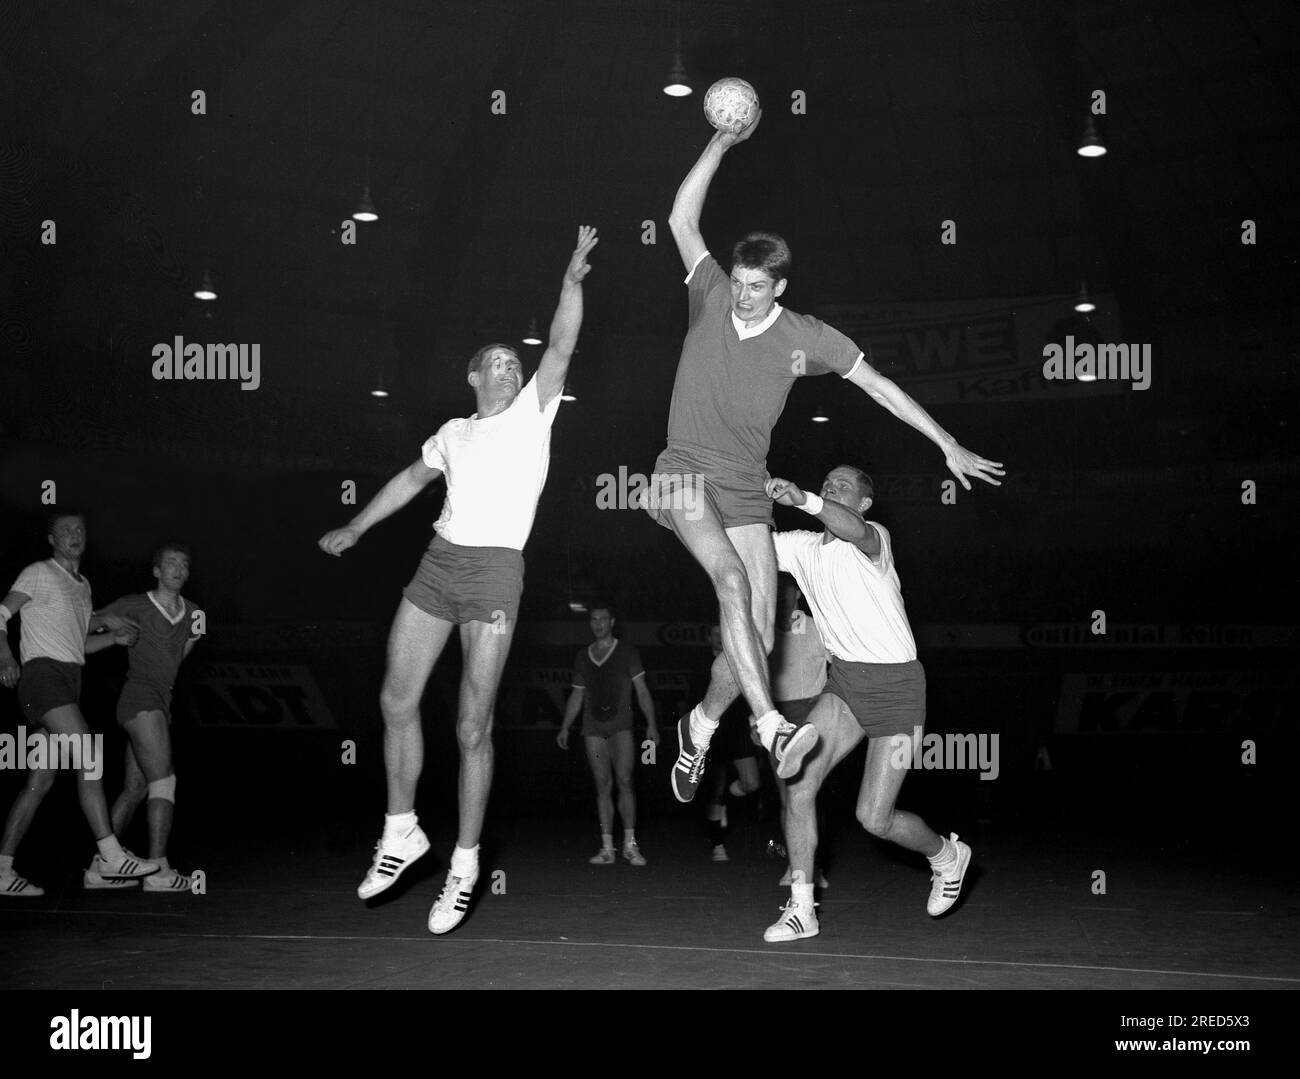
(753, 293)
(173, 570)
(843, 486)
(68, 537)
(500, 374)
(602, 623)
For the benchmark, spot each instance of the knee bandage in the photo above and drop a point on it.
(164, 788)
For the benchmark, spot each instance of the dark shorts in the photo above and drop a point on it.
(796, 711)
(46, 684)
(140, 697)
(732, 741)
(885, 698)
(687, 476)
(468, 584)
(595, 728)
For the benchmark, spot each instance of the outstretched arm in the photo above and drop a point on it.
(960, 461)
(688, 206)
(554, 368)
(839, 520)
(395, 494)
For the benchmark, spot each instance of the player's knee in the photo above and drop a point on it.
(40, 780)
(875, 821)
(398, 706)
(163, 789)
(472, 735)
(135, 787)
(748, 784)
(731, 584)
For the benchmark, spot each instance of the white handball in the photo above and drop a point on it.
(731, 104)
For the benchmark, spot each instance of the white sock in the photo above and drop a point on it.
(464, 863)
(164, 866)
(768, 724)
(606, 840)
(629, 837)
(397, 825)
(946, 860)
(110, 849)
(701, 727)
(6, 864)
(801, 889)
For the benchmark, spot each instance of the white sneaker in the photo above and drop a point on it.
(452, 904)
(633, 854)
(123, 873)
(795, 923)
(12, 886)
(605, 856)
(790, 746)
(391, 859)
(167, 880)
(720, 854)
(944, 890)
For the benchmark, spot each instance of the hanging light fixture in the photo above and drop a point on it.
(1084, 304)
(365, 210)
(567, 395)
(1090, 145)
(205, 291)
(379, 390)
(531, 338)
(819, 416)
(678, 84)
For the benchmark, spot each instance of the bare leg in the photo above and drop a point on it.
(414, 644)
(134, 790)
(623, 756)
(486, 646)
(839, 734)
(745, 639)
(152, 745)
(881, 781)
(603, 774)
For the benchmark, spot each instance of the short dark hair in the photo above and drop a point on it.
(179, 548)
(765, 251)
(869, 488)
(601, 605)
(476, 361)
(55, 516)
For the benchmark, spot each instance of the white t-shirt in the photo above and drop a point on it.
(57, 618)
(798, 661)
(858, 603)
(495, 470)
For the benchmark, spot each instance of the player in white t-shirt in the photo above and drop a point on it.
(472, 576)
(875, 689)
(54, 599)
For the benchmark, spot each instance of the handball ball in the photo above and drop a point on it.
(731, 104)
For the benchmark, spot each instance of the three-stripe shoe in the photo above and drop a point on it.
(12, 886)
(946, 887)
(790, 746)
(690, 762)
(452, 903)
(796, 922)
(168, 880)
(392, 856)
(123, 873)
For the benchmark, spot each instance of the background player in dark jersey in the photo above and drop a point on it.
(167, 635)
(740, 358)
(604, 675)
(733, 745)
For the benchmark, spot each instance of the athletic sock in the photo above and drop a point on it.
(701, 726)
(800, 889)
(629, 837)
(164, 866)
(6, 864)
(606, 840)
(109, 848)
(464, 862)
(768, 724)
(397, 825)
(946, 860)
